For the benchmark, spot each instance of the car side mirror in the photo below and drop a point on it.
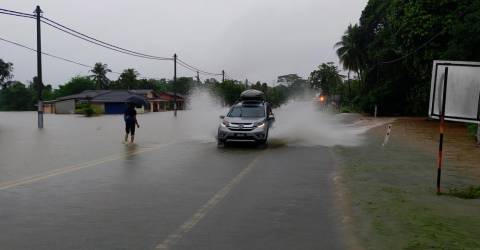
(222, 117)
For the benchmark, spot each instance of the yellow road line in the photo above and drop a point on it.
(203, 211)
(72, 168)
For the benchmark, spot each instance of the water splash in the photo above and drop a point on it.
(302, 123)
(297, 123)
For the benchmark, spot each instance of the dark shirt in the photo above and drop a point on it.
(269, 109)
(130, 115)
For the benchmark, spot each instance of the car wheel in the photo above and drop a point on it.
(264, 141)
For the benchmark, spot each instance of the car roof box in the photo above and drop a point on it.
(252, 94)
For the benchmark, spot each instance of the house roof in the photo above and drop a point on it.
(171, 95)
(115, 96)
(142, 91)
(84, 95)
(118, 95)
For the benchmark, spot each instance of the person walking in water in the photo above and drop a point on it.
(130, 117)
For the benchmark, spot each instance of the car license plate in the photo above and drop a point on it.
(240, 135)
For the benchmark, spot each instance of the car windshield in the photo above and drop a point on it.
(247, 111)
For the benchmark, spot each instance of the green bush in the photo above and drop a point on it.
(472, 129)
(87, 109)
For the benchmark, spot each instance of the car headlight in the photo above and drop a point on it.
(260, 124)
(225, 124)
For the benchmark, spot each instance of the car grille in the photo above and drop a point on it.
(241, 126)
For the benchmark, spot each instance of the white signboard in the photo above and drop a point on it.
(462, 92)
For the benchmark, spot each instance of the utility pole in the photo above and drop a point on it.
(39, 83)
(175, 85)
(198, 77)
(442, 130)
(223, 76)
(246, 83)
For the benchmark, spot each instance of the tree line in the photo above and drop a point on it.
(17, 96)
(389, 54)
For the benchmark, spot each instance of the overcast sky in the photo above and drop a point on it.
(254, 39)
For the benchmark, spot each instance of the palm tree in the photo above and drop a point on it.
(100, 71)
(351, 52)
(6, 69)
(128, 79)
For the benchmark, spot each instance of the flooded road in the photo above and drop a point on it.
(74, 185)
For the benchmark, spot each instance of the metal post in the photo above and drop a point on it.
(478, 134)
(478, 117)
(223, 76)
(376, 109)
(198, 77)
(175, 85)
(38, 11)
(442, 130)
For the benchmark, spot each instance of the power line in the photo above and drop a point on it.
(195, 71)
(51, 55)
(16, 13)
(13, 14)
(57, 25)
(99, 44)
(193, 68)
(82, 36)
(186, 66)
(90, 39)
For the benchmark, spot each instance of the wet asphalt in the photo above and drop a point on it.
(93, 193)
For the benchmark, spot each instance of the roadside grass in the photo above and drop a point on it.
(472, 129)
(472, 192)
(393, 198)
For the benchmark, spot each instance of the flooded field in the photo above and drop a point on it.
(70, 139)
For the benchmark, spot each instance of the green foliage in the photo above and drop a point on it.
(99, 76)
(395, 43)
(16, 97)
(6, 69)
(87, 109)
(229, 91)
(47, 91)
(472, 128)
(127, 80)
(277, 95)
(326, 78)
(76, 85)
(19, 97)
(288, 79)
(183, 86)
(350, 50)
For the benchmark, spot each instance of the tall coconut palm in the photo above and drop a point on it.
(100, 71)
(128, 79)
(351, 52)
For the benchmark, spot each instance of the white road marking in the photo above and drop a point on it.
(69, 169)
(203, 211)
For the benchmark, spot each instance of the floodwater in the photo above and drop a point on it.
(70, 139)
(94, 192)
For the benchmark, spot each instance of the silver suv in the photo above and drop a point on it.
(247, 120)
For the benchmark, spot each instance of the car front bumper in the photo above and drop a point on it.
(257, 134)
